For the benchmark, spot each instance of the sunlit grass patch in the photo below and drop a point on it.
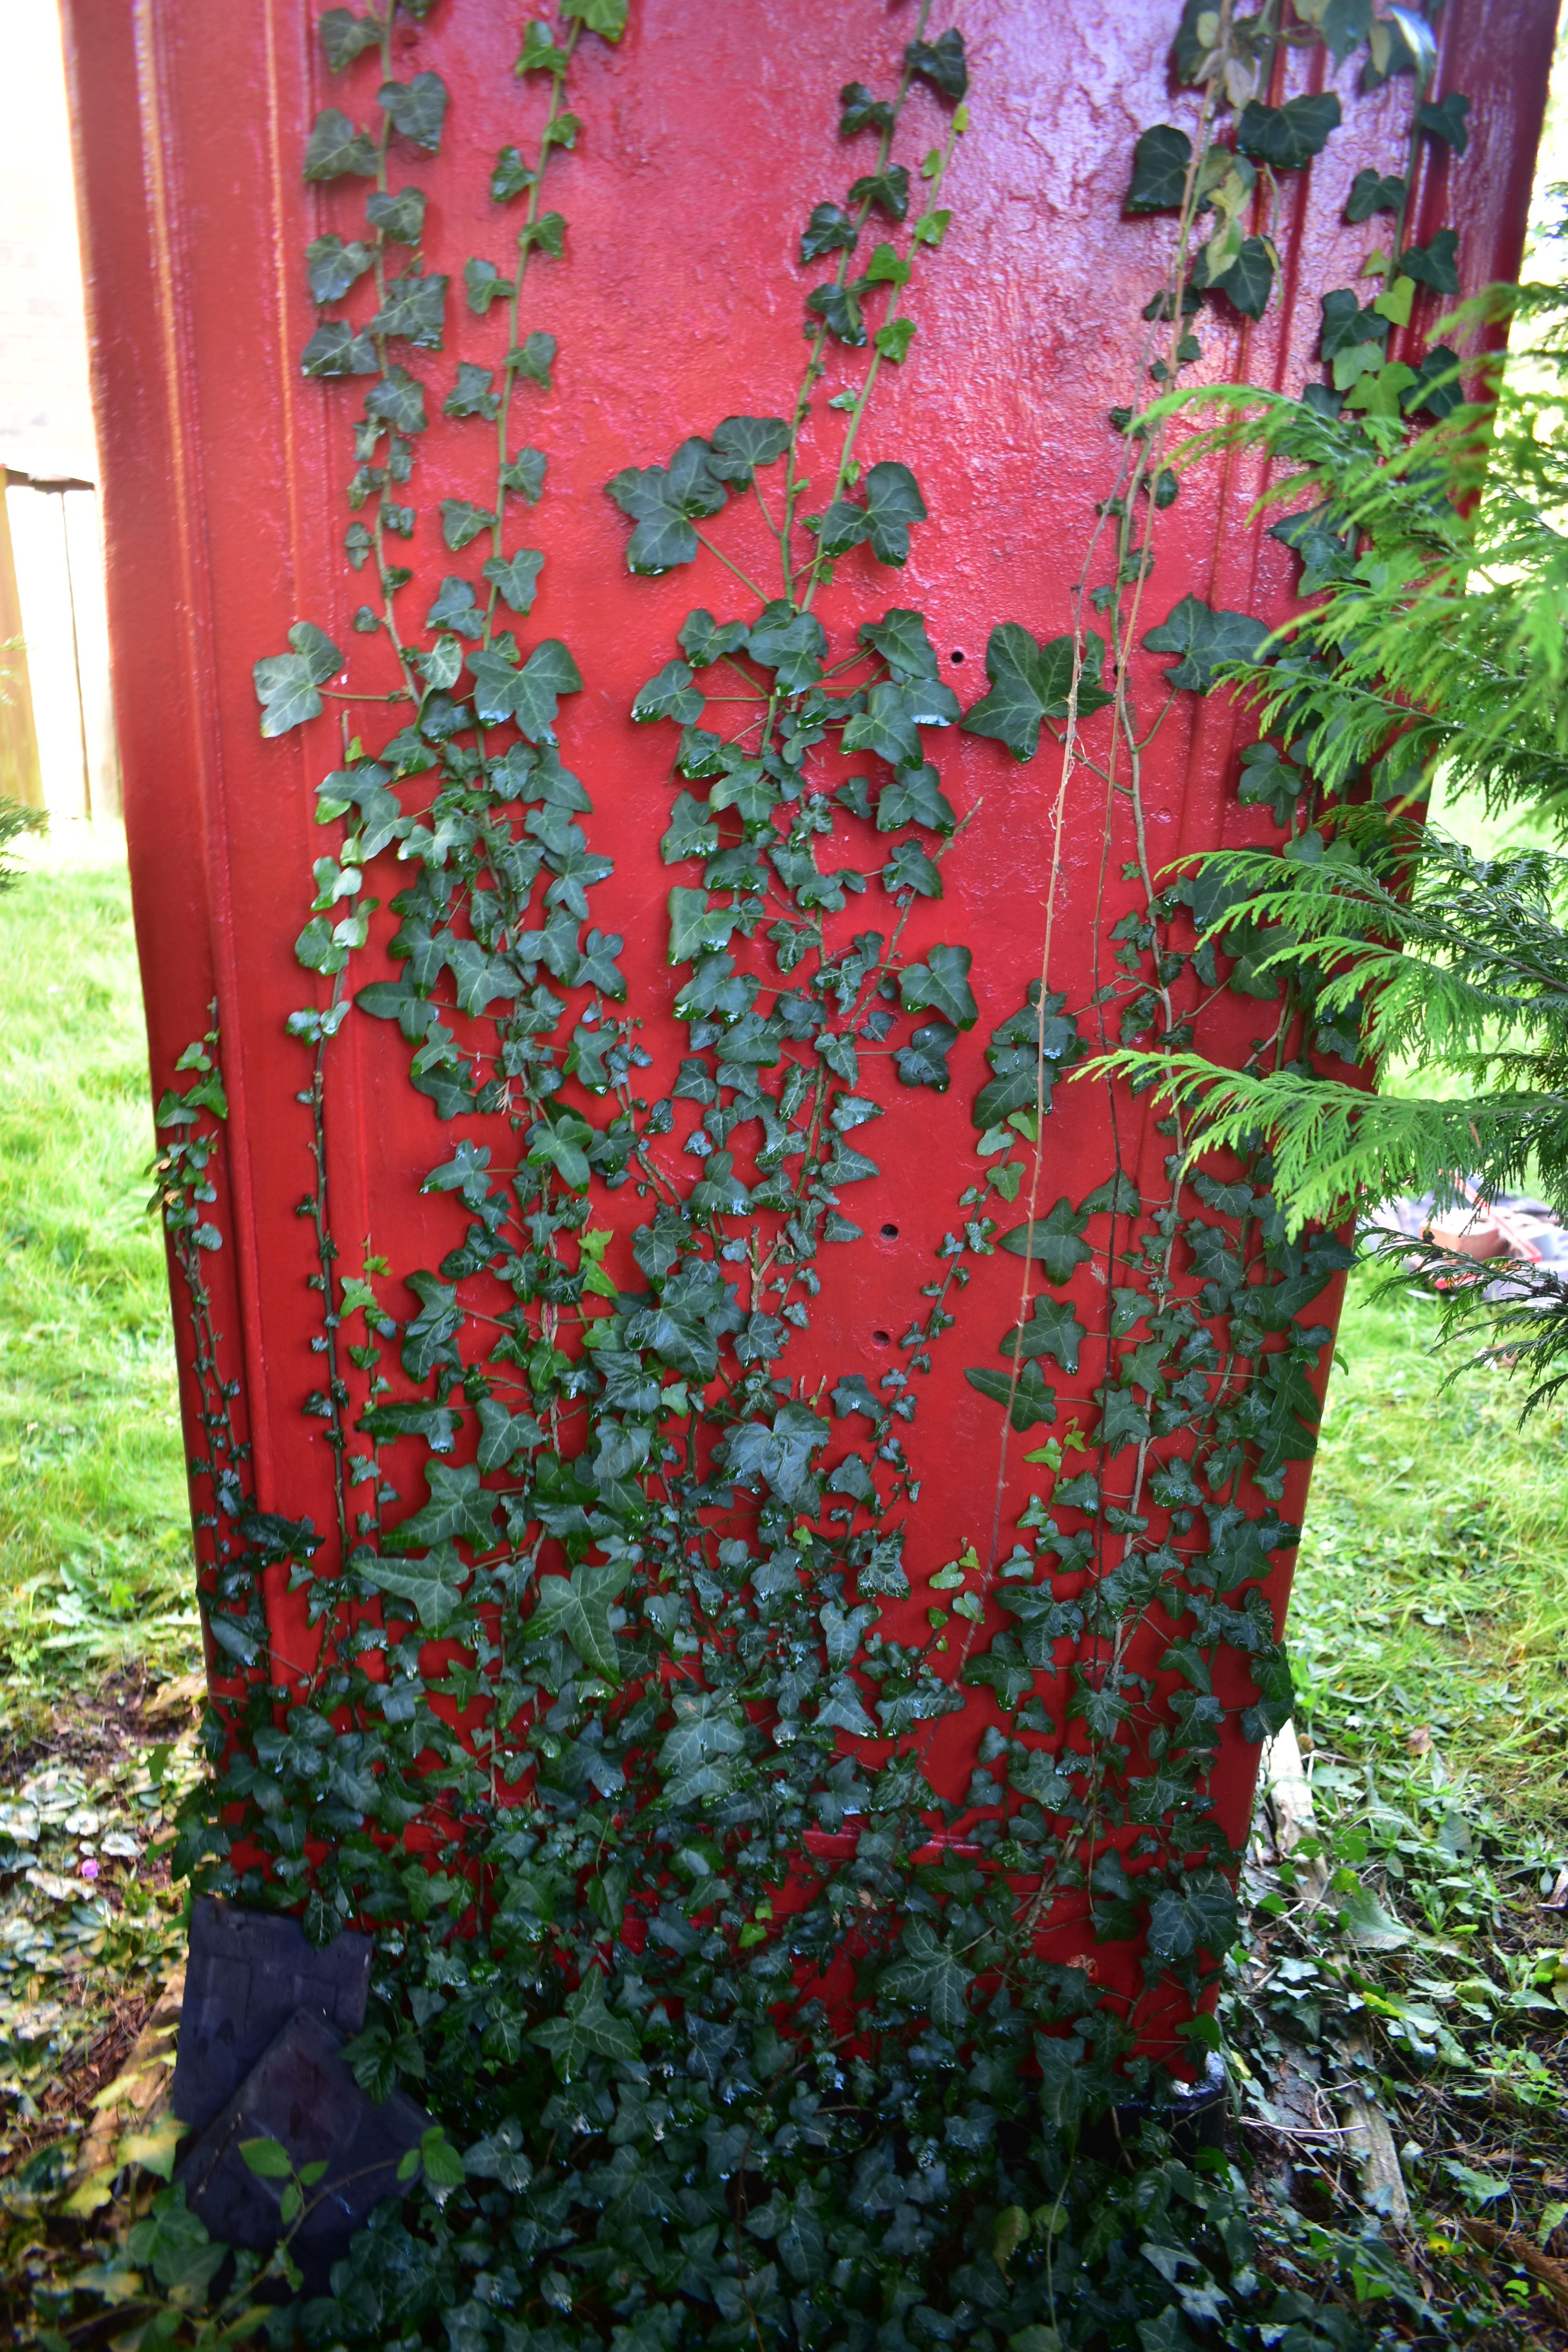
(1433, 1589)
(95, 1562)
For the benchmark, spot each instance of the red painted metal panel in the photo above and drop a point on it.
(708, 135)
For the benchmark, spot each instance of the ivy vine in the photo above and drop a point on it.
(611, 1736)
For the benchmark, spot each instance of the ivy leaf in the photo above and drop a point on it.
(548, 673)
(503, 1435)
(534, 358)
(334, 349)
(559, 1143)
(790, 644)
(516, 576)
(471, 394)
(1205, 639)
(915, 797)
(844, 1709)
(437, 1424)
(479, 978)
(1248, 279)
(1366, 1921)
(838, 308)
(462, 522)
(548, 232)
(899, 637)
(578, 1608)
(692, 833)
(441, 665)
(597, 966)
(942, 63)
(928, 1976)
(670, 695)
(1373, 192)
(1346, 324)
(1054, 1241)
(1434, 265)
(539, 54)
(1027, 1056)
(705, 1734)
(1437, 388)
(335, 147)
(484, 284)
(1160, 160)
(1031, 683)
(588, 2029)
(1118, 1196)
(455, 608)
(528, 696)
(399, 401)
(942, 982)
(1122, 1421)
(740, 444)
(702, 639)
(1288, 136)
(416, 108)
(893, 503)
(909, 868)
(748, 789)
(662, 502)
(426, 1338)
(510, 176)
(887, 725)
(414, 309)
(924, 1061)
(888, 190)
(605, 17)
(1343, 25)
(1444, 119)
(859, 111)
(1199, 1916)
(332, 266)
(1053, 1329)
(400, 218)
(1032, 1400)
(830, 230)
(695, 926)
(344, 35)
(286, 683)
(431, 1587)
(458, 1507)
(893, 341)
(526, 474)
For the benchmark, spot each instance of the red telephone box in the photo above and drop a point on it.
(700, 144)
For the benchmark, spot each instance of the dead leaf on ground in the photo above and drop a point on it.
(182, 1696)
(1551, 2275)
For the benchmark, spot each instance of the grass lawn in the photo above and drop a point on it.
(94, 1534)
(1429, 1624)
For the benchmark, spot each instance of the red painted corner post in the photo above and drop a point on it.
(708, 136)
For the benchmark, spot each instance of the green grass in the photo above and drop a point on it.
(1432, 1587)
(94, 1555)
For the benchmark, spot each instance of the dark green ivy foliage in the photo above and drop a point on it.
(744, 2033)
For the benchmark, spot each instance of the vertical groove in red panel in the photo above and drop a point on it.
(170, 211)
